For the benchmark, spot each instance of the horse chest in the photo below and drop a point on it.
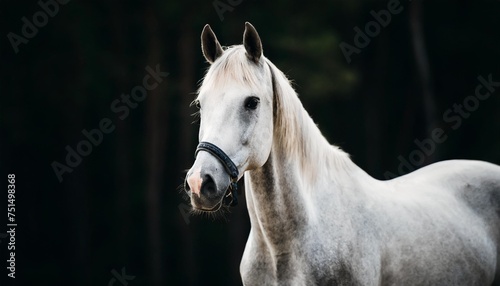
(304, 264)
(260, 266)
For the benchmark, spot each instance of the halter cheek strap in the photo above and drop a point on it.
(232, 198)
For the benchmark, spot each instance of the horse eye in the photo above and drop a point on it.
(252, 102)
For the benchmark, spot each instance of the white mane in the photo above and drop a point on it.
(297, 132)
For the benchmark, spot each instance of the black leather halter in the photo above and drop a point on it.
(231, 199)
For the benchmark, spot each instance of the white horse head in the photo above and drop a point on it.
(235, 102)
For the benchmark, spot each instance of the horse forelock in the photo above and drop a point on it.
(233, 68)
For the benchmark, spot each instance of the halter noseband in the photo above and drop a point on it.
(232, 198)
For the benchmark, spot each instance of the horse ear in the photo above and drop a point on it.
(252, 43)
(210, 46)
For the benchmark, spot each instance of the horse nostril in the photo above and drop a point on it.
(208, 186)
(187, 189)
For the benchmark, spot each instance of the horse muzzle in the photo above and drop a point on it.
(205, 193)
(211, 181)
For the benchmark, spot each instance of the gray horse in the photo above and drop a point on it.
(317, 218)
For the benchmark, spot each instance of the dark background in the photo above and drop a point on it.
(122, 206)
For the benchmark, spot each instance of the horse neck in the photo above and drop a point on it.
(280, 194)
